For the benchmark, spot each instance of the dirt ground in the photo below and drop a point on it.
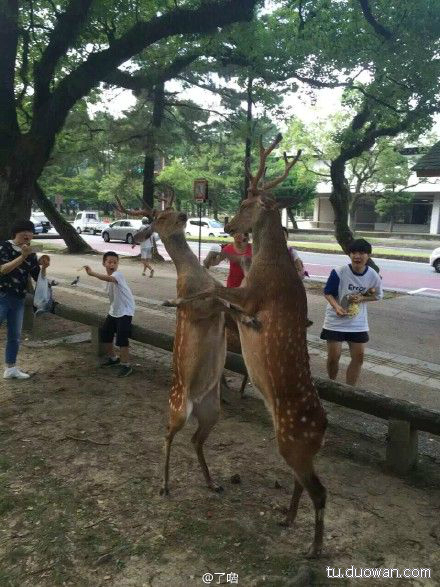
(80, 472)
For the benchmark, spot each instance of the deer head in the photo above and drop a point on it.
(166, 222)
(258, 197)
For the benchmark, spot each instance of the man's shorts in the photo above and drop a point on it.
(119, 326)
(338, 336)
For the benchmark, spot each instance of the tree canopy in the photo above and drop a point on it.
(56, 58)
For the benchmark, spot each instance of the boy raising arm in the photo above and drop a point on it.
(119, 316)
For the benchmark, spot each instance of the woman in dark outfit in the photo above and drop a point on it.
(17, 263)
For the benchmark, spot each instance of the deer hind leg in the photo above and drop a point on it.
(176, 421)
(207, 412)
(318, 494)
(243, 385)
(294, 503)
(306, 478)
(311, 483)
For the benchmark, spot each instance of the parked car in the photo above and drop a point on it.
(434, 260)
(210, 227)
(38, 218)
(121, 230)
(88, 221)
(38, 227)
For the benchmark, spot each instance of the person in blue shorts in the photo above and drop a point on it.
(347, 290)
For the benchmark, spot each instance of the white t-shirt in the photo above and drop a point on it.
(120, 296)
(342, 282)
(147, 244)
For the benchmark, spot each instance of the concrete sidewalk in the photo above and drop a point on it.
(395, 375)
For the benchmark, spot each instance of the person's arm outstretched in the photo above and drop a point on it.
(101, 276)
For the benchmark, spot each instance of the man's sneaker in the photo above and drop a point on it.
(152, 273)
(14, 373)
(125, 371)
(111, 362)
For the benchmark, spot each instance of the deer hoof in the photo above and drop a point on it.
(169, 303)
(284, 523)
(216, 488)
(164, 491)
(314, 551)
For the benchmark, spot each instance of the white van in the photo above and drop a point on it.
(210, 227)
(88, 221)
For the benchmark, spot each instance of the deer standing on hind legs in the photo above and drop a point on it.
(199, 345)
(276, 357)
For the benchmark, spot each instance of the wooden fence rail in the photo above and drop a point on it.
(404, 418)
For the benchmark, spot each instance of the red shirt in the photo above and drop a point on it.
(236, 275)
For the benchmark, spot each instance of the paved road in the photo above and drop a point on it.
(406, 276)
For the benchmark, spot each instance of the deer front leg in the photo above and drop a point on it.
(239, 316)
(240, 297)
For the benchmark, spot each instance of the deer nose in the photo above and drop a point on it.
(228, 229)
(183, 217)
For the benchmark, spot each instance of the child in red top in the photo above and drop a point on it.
(238, 253)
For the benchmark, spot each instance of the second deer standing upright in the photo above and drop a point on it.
(277, 358)
(200, 342)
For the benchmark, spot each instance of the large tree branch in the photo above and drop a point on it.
(231, 57)
(61, 38)
(379, 100)
(155, 76)
(379, 29)
(8, 53)
(206, 18)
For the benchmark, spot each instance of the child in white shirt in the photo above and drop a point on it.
(119, 316)
(347, 289)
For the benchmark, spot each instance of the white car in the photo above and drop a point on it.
(434, 259)
(210, 227)
(88, 221)
(121, 230)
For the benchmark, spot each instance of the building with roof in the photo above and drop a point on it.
(422, 216)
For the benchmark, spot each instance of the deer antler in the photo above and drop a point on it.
(142, 212)
(170, 194)
(264, 154)
(271, 184)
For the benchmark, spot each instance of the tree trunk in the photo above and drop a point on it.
(248, 144)
(74, 242)
(151, 146)
(340, 201)
(352, 214)
(15, 203)
(291, 216)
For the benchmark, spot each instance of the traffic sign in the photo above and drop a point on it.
(200, 190)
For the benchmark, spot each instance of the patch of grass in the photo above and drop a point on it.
(8, 502)
(335, 248)
(7, 579)
(4, 463)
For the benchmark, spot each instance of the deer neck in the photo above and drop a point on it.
(267, 235)
(179, 251)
